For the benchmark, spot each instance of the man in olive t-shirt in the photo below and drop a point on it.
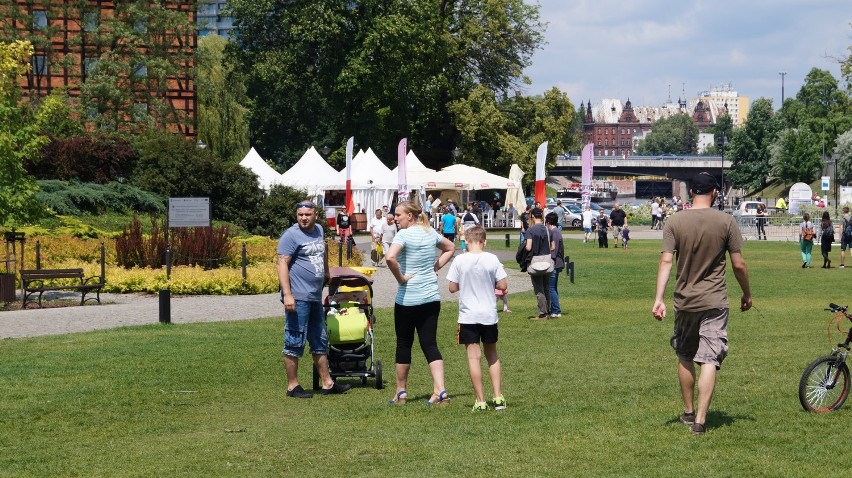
(700, 237)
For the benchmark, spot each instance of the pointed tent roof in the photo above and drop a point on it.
(368, 171)
(413, 165)
(266, 175)
(312, 173)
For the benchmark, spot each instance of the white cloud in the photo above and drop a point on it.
(615, 49)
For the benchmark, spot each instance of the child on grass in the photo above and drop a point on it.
(625, 235)
(476, 275)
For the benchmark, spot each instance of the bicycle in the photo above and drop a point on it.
(825, 383)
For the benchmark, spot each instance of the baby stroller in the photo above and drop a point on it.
(349, 320)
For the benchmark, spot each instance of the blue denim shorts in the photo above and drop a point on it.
(307, 322)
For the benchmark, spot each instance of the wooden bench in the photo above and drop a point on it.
(36, 281)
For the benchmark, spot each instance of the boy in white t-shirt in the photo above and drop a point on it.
(476, 275)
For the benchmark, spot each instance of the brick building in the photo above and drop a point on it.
(616, 128)
(129, 64)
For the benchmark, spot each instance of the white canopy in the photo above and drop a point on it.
(373, 183)
(475, 178)
(312, 174)
(266, 175)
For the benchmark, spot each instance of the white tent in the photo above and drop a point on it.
(515, 196)
(266, 175)
(373, 183)
(475, 178)
(312, 174)
(416, 175)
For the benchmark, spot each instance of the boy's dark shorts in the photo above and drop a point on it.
(475, 333)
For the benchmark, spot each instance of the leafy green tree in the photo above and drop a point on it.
(19, 138)
(821, 107)
(748, 149)
(722, 132)
(172, 166)
(844, 164)
(321, 70)
(795, 156)
(494, 134)
(222, 116)
(676, 134)
(130, 57)
(142, 50)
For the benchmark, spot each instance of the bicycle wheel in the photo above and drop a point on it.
(824, 385)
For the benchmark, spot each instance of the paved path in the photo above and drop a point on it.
(121, 310)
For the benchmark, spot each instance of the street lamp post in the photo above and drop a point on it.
(833, 160)
(783, 74)
(723, 144)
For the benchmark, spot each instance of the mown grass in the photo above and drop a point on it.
(591, 394)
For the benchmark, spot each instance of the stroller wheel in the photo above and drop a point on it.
(379, 384)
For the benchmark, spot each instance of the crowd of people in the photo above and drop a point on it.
(695, 242)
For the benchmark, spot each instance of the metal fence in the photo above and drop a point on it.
(785, 228)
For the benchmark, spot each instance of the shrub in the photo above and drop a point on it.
(133, 249)
(172, 166)
(209, 247)
(95, 158)
(72, 198)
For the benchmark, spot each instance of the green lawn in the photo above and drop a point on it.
(593, 394)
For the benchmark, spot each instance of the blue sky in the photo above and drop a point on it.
(618, 49)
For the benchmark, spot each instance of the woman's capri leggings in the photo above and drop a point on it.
(424, 319)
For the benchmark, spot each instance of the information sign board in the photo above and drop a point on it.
(189, 212)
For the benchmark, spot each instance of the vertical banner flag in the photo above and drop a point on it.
(540, 160)
(587, 160)
(350, 205)
(402, 174)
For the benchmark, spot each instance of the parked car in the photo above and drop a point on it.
(593, 206)
(747, 208)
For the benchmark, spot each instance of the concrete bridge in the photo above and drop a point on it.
(672, 167)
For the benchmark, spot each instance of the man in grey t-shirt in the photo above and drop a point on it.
(302, 272)
(700, 236)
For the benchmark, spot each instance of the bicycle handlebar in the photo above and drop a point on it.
(836, 308)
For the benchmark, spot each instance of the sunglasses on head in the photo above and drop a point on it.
(306, 204)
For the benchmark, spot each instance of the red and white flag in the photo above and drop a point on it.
(540, 160)
(350, 205)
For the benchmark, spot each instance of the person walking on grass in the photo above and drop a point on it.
(475, 276)
(826, 238)
(700, 237)
(588, 219)
(806, 239)
(538, 244)
(557, 253)
(616, 220)
(411, 260)
(302, 273)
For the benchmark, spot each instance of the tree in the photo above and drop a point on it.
(322, 70)
(222, 116)
(795, 156)
(821, 107)
(172, 166)
(19, 138)
(844, 163)
(722, 132)
(494, 134)
(748, 149)
(142, 51)
(125, 61)
(676, 134)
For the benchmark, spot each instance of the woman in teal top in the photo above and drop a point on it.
(411, 260)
